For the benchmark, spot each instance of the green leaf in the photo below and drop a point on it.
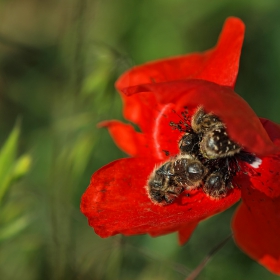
(13, 228)
(10, 168)
(21, 167)
(7, 159)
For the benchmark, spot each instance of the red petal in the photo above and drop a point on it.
(272, 129)
(267, 179)
(116, 202)
(127, 139)
(223, 61)
(185, 232)
(243, 125)
(165, 139)
(141, 110)
(219, 65)
(256, 227)
(159, 143)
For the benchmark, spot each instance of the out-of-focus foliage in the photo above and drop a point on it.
(12, 221)
(11, 169)
(58, 64)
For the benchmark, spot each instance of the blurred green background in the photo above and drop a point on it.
(58, 63)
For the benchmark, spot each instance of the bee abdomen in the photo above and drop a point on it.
(189, 172)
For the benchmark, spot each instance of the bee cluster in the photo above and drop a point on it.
(208, 158)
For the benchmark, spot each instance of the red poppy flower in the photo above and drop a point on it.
(154, 94)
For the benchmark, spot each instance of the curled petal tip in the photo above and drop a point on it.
(103, 124)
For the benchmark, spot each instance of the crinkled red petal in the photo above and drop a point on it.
(243, 125)
(256, 227)
(219, 65)
(116, 202)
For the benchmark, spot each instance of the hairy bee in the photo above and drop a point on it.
(189, 144)
(202, 122)
(161, 186)
(169, 180)
(188, 171)
(207, 158)
(215, 142)
(215, 186)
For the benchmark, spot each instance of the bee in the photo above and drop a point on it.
(188, 171)
(216, 144)
(215, 186)
(161, 187)
(207, 140)
(189, 144)
(207, 158)
(214, 140)
(169, 180)
(202, 122)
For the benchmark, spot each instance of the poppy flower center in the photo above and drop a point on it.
(208, 158)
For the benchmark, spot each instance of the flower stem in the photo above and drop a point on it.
(195, 273)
